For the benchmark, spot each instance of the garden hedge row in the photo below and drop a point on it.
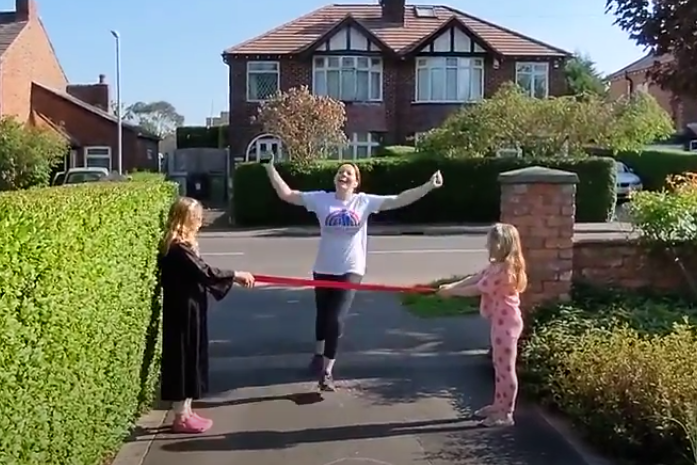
(79, 317)
(471, 192)
(621, 366)
(654, 166)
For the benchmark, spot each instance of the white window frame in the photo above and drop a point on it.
(99, 156)
(442, 63)
(254, 145)
(370, 141)
(251, 72)
(374, 66)
(538, 69)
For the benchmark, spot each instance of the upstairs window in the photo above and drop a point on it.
(449, 80)
(349, 79)
(263, 80)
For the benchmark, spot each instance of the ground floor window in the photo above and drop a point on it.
(262, 147)
(98, 157)
(360, 145)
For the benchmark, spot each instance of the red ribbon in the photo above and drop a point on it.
(300, 282)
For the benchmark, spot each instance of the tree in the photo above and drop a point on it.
(159, 118)
(667, 29)
(27, 154)
(310, 126)
(511, 119)
(583, 78)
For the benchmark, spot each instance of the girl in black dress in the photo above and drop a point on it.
(186, 280)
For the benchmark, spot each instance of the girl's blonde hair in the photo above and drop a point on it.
(185, 216)
(503, 242)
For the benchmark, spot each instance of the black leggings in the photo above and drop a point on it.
(332, 307)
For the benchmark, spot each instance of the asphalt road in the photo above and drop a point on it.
(391, 259)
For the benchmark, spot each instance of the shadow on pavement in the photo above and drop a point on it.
(265, 440)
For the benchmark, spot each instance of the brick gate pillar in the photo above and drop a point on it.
(540, 202)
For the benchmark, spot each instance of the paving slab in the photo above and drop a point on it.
(387, 411)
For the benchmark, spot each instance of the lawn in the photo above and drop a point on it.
(432, 306)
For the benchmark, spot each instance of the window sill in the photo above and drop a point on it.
(362, 102)
(444, 102)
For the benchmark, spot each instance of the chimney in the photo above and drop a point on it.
(93, 94)
(25, 10)
(393, 11)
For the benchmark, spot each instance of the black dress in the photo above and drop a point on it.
(186, 279)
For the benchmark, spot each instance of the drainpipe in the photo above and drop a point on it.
(631, 83)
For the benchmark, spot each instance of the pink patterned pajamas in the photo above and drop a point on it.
(500, 304)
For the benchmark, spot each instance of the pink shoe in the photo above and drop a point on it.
(204, 420)
(190, 425)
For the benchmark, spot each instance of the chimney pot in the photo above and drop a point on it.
(102, 78)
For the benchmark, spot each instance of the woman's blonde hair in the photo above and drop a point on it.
(503, 242)
(185, 216)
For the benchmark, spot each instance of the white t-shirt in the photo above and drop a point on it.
(344, 233)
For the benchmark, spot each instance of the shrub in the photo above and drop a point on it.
(146, 176)
(549, 127)
(78, 317)
(622, 367)
(397, 151)
(471, 192)
(27, 154)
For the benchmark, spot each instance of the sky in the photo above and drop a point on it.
(171, 49)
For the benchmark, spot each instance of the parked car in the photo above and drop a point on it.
(627, 181)
(80, 175)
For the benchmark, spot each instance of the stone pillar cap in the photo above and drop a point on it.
(538, 175)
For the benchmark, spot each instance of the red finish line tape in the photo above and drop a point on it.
(300, 282)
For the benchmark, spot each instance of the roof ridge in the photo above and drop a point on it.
(505, 29)
(620, 72)
(277, 28)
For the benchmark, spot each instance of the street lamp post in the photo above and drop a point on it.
(119, 115)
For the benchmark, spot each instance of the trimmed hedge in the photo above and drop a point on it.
(79, 317)
(471, 192)
(192, 137)
(654, 166)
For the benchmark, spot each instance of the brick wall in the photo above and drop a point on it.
(30, 58)
(397, 116)
(626, 263)
(540, 203)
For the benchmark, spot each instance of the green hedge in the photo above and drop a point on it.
(79, 317)
(471, 192)
(654, 166)
(215, 137)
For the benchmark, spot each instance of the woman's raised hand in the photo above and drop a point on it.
(437, 179)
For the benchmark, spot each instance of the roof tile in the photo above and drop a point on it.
(294, 36)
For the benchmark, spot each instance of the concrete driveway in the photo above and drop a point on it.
(408, 386)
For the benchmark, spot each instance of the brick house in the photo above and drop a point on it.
(400, 69)
(635, 77)
(35, 89)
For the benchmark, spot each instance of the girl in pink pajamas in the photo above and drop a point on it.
(499, 285)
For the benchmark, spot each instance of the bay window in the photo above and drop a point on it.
(449, 79)
(348, 78)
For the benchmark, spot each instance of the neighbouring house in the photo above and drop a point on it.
(401, 70)
(635, 77)
(35, 89)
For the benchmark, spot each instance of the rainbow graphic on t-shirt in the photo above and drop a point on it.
(342, 218)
